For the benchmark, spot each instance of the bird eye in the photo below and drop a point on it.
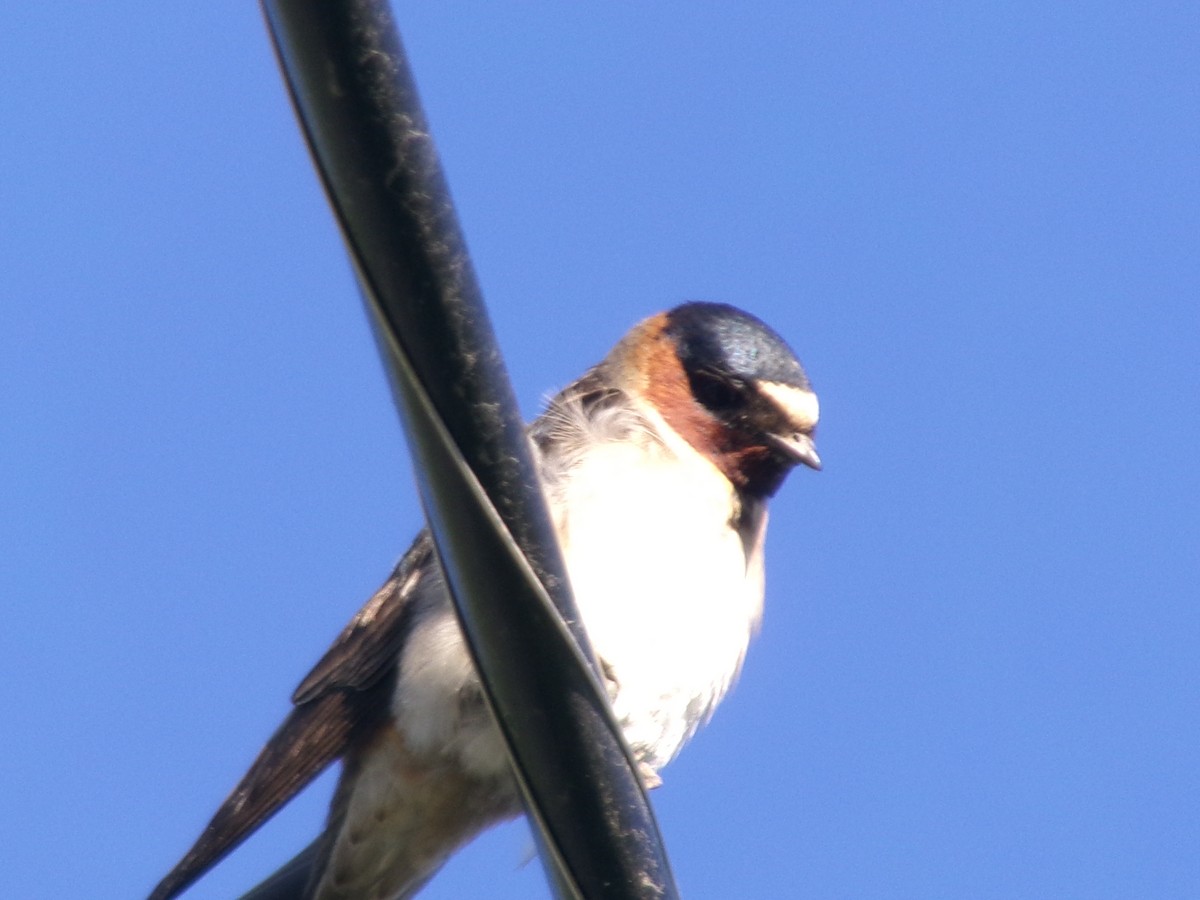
(715, 393)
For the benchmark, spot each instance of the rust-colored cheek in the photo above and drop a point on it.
(668, 388)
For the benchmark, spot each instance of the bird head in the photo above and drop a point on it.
(730, 386)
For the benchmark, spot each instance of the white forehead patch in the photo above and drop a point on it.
(799, 405)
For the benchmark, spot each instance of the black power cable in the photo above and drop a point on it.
(357, 103)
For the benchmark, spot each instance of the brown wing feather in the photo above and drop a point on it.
(367, 649)
(343, 701)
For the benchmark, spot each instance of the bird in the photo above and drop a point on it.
(657, 465)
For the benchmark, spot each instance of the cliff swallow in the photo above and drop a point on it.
(657, 465)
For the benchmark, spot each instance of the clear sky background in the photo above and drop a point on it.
(978, 224)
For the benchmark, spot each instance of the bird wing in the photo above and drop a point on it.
(367, 648)
(343, 700)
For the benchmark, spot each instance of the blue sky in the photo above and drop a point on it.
(976, 223)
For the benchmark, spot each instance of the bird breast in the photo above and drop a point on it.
(662, 581)
(661, 575)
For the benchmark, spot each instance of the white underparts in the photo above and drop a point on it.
(660, 575)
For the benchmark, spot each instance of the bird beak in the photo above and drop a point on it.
(798, 447)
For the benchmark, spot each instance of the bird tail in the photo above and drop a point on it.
(312, 737)
(291, 880)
